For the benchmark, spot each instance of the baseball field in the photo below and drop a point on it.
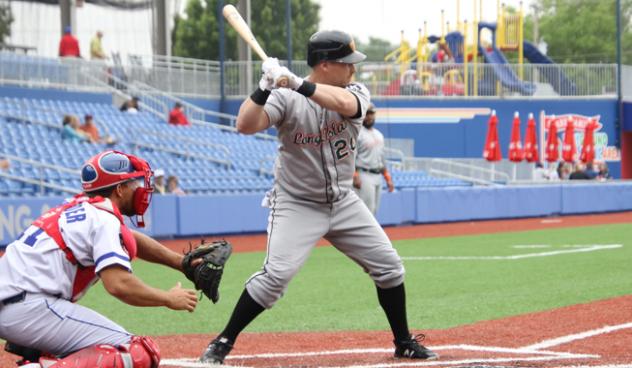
(553, 292)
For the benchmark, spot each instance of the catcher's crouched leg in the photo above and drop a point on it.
(141, 352)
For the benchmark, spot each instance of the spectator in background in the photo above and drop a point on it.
(90, 128)
(172, 186)
(564, 170)
(542, 174)
(4, 164)
(131, 106)
(604, 172)
(69, 46)
(590, 171)
(159, 181)
(579, 173)
(71, 131)
(177, 116)
(96, 48)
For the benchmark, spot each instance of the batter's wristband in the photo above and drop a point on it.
(260, 97)
(307, 89)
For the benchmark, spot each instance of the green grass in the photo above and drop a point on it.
(333, 293)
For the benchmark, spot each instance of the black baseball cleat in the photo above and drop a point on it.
(412, 349)
(217, 351)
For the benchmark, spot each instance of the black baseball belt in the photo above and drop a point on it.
(14, 299)
(372, 171)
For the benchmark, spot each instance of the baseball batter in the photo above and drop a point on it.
(371, 164)
(56, 259)
(318, 120)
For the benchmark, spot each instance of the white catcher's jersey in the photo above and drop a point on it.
(370, 149)
(316, 159)
(34, 262)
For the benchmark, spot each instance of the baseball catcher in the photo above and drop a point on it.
(204, 266)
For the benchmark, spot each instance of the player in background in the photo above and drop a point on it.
(371, 164)
(56, 259)
(318, 120)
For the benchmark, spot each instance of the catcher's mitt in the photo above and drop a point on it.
(207, 275)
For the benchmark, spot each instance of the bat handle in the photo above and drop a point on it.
(282, 82)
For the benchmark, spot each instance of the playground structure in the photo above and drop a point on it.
(462, 62)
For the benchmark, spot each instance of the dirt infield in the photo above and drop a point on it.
(563, 337)
(596, 334)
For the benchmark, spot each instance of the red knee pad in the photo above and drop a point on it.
(144, 352)
(141, 352)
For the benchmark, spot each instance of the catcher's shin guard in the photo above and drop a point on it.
(141, 352)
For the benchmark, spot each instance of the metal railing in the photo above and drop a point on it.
(192, 77)
(30, 120)
(445, 80)
(195, 142)
(41, 183)
(193, 112)
(176, 75)
(455, 168)
(626, 82)
(124, 91)
(184, 153)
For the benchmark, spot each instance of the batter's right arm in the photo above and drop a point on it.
(337, 99)
(252, 118)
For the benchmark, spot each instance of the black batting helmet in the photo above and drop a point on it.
(332, 45)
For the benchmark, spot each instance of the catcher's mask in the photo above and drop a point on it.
(110, 168)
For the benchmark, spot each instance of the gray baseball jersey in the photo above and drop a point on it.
(312, 197)
(316, 158)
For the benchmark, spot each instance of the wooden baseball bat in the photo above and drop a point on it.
(234, 18)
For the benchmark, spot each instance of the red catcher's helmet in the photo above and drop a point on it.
(110, 168)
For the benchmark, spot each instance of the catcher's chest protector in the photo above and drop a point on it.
(49, 223)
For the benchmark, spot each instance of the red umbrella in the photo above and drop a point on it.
(516, 153)
(491, 151)
(531, 142)
(569, 150)
(552, 151)
(588, 149)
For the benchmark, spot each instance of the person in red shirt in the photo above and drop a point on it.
(177, 117)
(69, 46)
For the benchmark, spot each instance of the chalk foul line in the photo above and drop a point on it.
(578, 336)
(589, 248)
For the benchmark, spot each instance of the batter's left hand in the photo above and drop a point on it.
(283, 73)
(390, 186)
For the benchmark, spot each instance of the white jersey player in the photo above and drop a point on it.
(318, 120)
(371, 164)
(56, 259)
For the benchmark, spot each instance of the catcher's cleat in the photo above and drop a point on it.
(412, 349)
(217, 351)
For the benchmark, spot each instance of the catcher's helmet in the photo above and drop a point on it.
(110, 168)
(332, 45)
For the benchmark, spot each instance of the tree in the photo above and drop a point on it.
(197, 35)
(6, 18)
(375, 49)
(582, 31)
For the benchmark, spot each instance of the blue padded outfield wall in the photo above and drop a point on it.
(185, 216)
(457, 128)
